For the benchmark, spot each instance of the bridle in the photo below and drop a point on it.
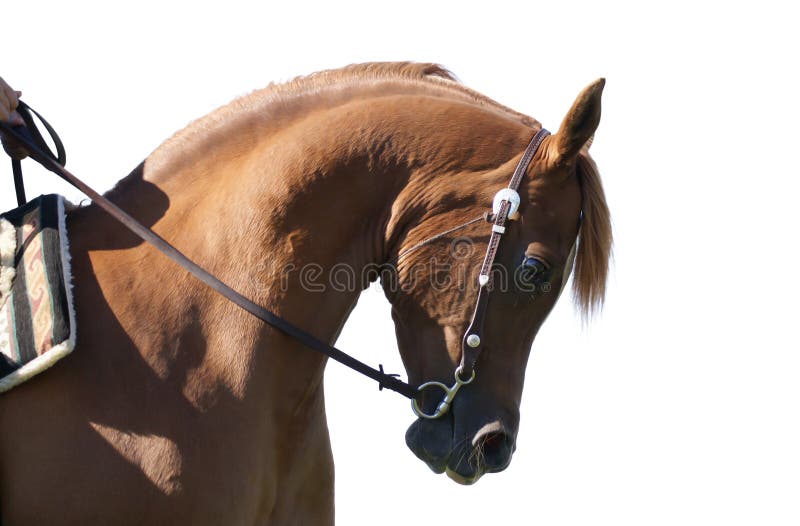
(506, 203)
(505, 206)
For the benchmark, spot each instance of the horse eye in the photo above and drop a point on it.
(534, 264)
(533, 268)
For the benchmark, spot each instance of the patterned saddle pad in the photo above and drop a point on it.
(37, 320)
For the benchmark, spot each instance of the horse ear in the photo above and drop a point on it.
(580, 123)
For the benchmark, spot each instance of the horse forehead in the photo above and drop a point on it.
(548, 225)
(552, 198)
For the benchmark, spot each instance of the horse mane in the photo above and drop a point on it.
(279, 101)
(594, 241)
(425, 74)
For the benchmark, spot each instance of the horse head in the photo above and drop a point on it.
(561, 219)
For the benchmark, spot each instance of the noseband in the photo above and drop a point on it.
(504, 208)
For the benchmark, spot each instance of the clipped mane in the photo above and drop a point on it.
(594, 241)
(410, 73)
(283, 100)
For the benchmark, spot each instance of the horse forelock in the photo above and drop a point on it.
(595, 241)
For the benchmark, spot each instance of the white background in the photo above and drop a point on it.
(680, 404)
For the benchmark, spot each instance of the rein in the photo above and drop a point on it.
(505, 206)
(36, 147)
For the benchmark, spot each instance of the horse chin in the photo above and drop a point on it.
(461, 479)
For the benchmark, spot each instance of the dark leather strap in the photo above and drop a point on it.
(19, 183)
(35, 149)
(470, 353)
(31, 132)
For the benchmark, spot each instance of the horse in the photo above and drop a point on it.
(177, 407)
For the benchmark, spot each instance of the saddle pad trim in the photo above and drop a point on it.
(55, 353)
(8, 246)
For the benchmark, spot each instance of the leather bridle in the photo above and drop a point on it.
(505, 206)
(506, 203)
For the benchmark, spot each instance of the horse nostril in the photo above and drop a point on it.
(497, 448)
(494, 446)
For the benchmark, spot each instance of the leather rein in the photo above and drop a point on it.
(506, 203)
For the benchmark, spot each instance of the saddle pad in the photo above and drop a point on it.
(37, 319)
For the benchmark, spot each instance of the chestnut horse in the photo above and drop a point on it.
(177, 407)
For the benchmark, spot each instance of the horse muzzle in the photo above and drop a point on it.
(465, 457)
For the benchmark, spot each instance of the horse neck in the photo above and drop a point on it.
(290, 219)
